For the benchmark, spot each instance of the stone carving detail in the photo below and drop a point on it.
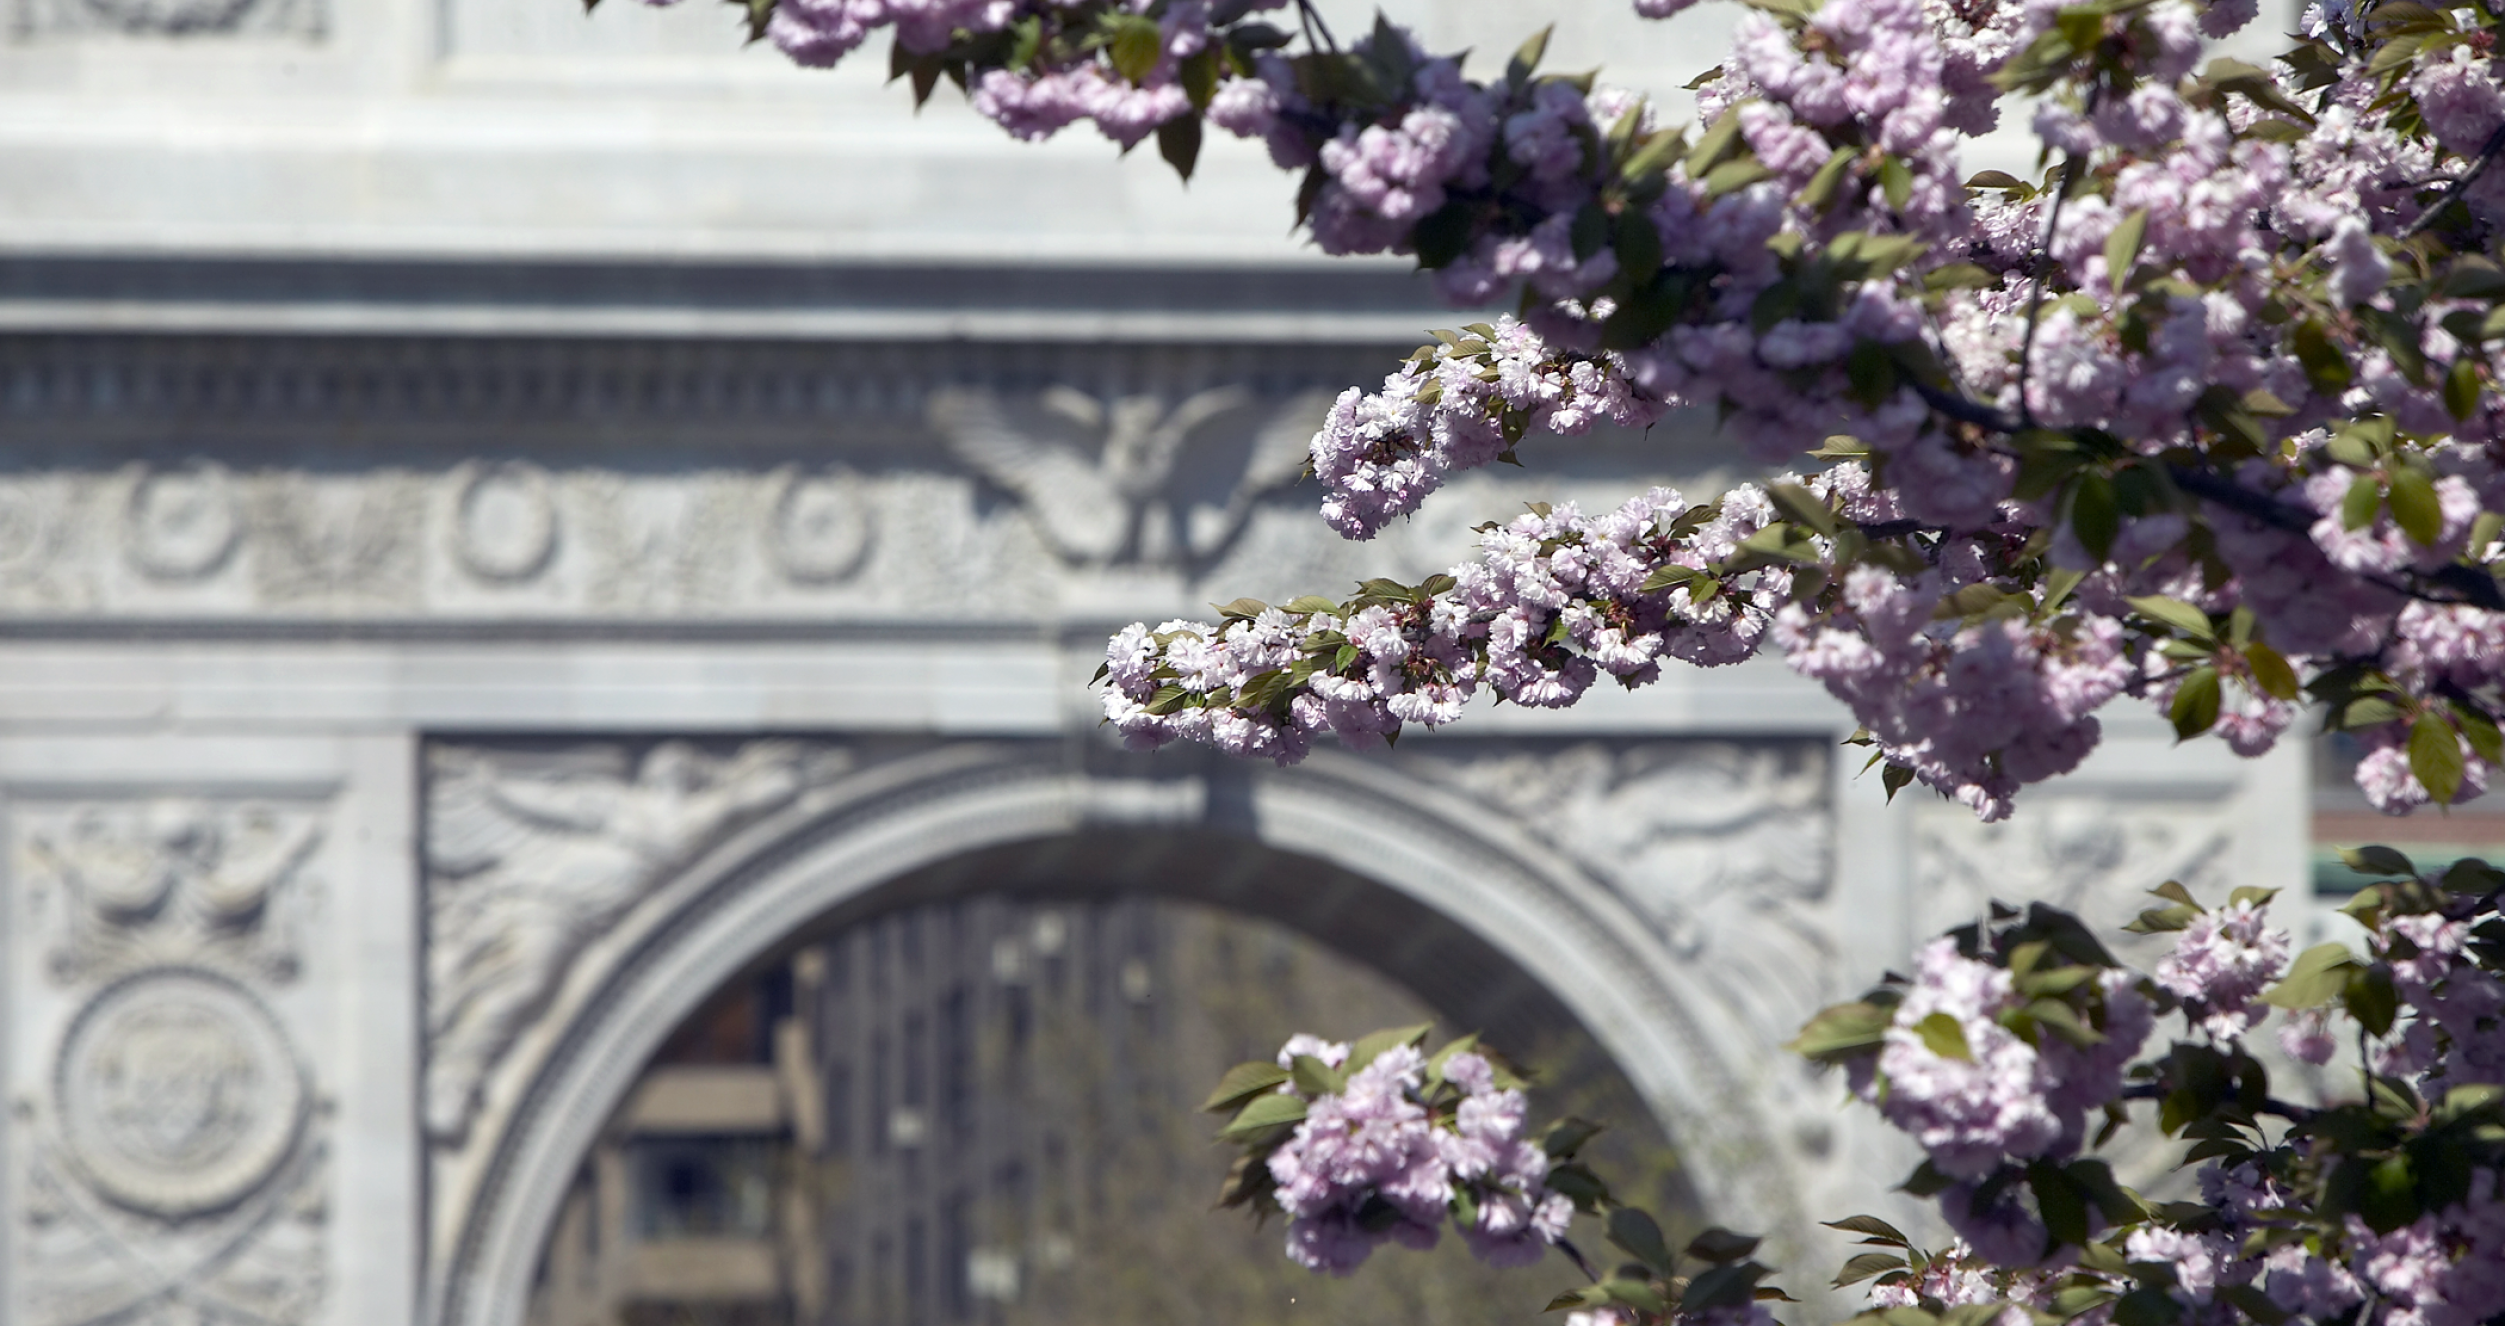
(664, 547)
(132, 884)
(531, 859)
(178, 1093)
(2096, 856)
(1724, 846)
(1099, 478)
(822, 527)
(183, 523)
(505, 526)
(87, 1262)
(331, 539)
(171, 1171)
(175, 18)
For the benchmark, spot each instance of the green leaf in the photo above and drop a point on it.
(1373, 1044)
(2363, 500)
(1314, 1078)
(1526, 58)
(1637, 1232)
(1824, 187)
(2414, 505)
(1134, 45)
(1896, 180)
(2195, 708)
(1311, 603)
(1178, 141)
(2122, 247)
(2271, 673)
(2435, 755)
(2316, 978)
(1732, 175)
(2376, 859)
(1721, 1246)
(1879, 1230)
(2093, 515)
(2187, 620)
(1804, 506)
(2325, 367)
(1942, 1034)
(1567, 1136)
(2461, 387)
(1722, 1287)
(1841, 1031)
(1262, 1114)
(1865, 1265)
(2147, 1307)
(1243, 1082)
(1716, 144)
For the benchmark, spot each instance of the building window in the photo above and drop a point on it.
(701, 1187)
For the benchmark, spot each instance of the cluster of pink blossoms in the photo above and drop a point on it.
(1554, 600)
(2221, 965)
(2010, 1036)
(1373, 1163)
(2233, 351)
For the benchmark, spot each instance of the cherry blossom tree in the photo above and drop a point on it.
(2203, 415)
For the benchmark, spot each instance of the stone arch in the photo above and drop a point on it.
(1430, 887)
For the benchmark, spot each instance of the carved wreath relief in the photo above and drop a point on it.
(173, 1170)
(1023, 493)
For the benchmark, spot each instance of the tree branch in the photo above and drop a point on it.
(2461, 184)
(2035, 279)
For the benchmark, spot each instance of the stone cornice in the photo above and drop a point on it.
(771, 301)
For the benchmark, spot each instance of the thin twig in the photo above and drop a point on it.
(2461, 184)
(2035, 294)
(1313, 23)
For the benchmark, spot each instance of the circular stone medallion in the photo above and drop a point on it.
(178, 1092)
(183, 522)
(821, 527)
(505, 524)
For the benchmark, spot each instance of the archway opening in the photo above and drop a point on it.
(970, 1095)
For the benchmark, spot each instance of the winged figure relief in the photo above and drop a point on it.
(525, 868)
(1133, 480)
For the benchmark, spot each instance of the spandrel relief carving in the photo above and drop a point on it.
(1724, 846)
(530, 858)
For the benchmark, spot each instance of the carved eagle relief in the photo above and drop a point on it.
(1127, 481)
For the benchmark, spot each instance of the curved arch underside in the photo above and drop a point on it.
(1433, 890)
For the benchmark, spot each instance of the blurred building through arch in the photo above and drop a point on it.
(983, 1110)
